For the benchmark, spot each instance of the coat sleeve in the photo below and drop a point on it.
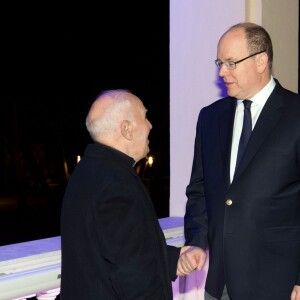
(173, 256)
(195, 219)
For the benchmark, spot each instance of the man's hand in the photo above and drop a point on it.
(190, 259)
(296, 293)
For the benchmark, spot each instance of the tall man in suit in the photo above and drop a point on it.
(112, 244)
(246, 214)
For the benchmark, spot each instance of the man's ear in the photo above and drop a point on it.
(262, 62)
(126, 129)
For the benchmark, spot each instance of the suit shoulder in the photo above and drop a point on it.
(220, 103)
(291, 102)
(288, 95)
(223, 105)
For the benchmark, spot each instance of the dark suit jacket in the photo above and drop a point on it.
(112, 244)
(254, 244)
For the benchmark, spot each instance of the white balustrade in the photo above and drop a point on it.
(32, 269)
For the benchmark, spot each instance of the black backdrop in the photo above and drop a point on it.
(55, 60)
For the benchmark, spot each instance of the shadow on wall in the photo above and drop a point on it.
(221, 86)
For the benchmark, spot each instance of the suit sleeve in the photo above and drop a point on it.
(195, 219)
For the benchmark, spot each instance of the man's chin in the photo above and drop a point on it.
(232, 92)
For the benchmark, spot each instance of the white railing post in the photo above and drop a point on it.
(25, 297)
(48, 295)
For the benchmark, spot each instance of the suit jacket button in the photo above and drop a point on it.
(228, 202)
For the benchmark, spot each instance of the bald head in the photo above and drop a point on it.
(107, 111)
(116, 118)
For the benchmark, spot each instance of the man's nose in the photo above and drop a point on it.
(223, 71)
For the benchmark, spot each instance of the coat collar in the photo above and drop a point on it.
(98, 150)
(226, 122)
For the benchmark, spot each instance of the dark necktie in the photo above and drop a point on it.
(246, 131)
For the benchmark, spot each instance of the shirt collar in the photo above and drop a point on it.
(262, 96)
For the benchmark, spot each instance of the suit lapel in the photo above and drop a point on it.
(267, 120)
(226, 121)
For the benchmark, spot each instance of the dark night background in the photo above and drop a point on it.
(55, 60)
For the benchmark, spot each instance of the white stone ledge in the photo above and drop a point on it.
(29, 282)
(33, 268)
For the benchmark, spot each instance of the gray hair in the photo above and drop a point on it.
(258, 39)
(107, 120)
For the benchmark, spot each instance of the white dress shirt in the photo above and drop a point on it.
(258, 102)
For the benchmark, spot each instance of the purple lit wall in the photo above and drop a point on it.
(195, 28)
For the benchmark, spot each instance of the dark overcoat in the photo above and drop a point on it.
(112, 244)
